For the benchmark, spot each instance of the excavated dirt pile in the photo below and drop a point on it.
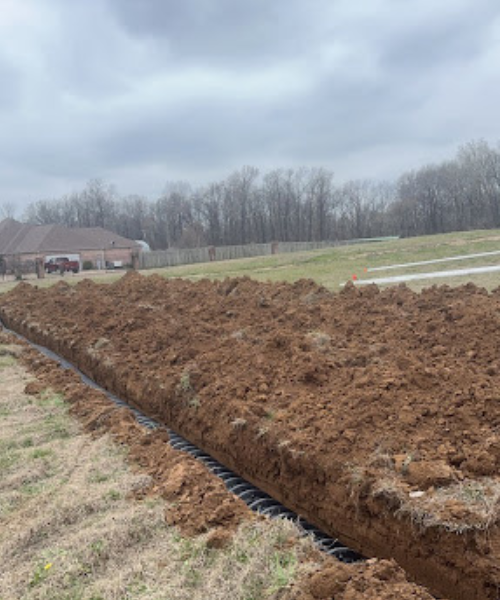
(374, 414)
(197, 501)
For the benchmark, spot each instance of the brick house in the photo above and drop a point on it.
(22, 243)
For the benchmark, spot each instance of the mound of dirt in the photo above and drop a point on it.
(375, 414)
(374, 580)
(198, 502)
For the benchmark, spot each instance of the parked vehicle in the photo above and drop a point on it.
(62, 264)
(114, 264)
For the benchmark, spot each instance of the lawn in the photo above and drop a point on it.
(332, 267)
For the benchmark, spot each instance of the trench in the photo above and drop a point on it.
(256, 499)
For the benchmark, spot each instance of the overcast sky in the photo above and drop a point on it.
(141, 92)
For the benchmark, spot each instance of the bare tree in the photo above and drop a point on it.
(7, 210)
(294, 205)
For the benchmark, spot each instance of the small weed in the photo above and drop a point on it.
(50, 398)
(242, 557)
(27, 443)
(283, 570)
(282, 539)
(185, 382)
(98, 477)
(97, 547)
(42, 453)
(61, 433)
(186, 388)
(113, 495)
(31, 489)
(40, 574)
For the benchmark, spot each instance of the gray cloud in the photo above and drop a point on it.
(220, 30)
(141, 92)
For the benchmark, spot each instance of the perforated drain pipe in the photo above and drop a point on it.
(256, 499)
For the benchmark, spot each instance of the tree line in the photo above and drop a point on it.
(302, 204)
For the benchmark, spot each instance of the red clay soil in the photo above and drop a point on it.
(197, 502)
(374, 414)
(374, 580)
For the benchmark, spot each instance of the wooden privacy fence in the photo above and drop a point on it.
(187, 256)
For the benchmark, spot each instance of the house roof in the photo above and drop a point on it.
(23, 238)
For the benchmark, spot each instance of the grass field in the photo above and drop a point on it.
(333, 266)
(71, 530)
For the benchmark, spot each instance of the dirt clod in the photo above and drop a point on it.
(377, 580)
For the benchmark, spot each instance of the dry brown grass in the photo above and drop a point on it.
(457, 507)
(460, 507)
(69, 529)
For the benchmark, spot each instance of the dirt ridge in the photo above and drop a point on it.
(341, 406)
